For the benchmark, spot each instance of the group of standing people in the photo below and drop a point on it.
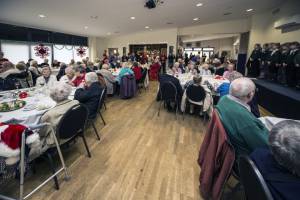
(276, 62)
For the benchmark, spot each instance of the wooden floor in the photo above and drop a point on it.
(140, 156)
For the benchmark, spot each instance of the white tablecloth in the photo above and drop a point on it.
(184, 78)
(27, 116)
(269, 122)
(30, 114)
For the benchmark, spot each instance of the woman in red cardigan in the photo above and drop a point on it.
(154, 69)
(137, 71)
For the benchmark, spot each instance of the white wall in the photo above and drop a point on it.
(168, 36)
(262, 25)
(232, 26)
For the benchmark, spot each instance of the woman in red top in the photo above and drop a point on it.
(80, 76)
(137, 71)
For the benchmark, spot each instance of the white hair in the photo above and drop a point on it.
(91, 77)
(105, 66)
(60, 92)
(241, 87)
(176, 64)
(33, 62)
(284, 141)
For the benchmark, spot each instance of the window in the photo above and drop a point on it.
(37, 57)
(15, 52)
(63, 53)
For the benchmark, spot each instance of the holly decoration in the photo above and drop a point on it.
(41, 51)
(81, 51)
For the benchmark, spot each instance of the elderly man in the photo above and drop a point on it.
(59, 93)
(90, 93)
(204, 70)
(244, 130)
(279, 164)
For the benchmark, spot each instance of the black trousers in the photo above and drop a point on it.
(254, 68)
(291, 77)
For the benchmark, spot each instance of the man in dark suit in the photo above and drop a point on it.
(291, 69)
(274, 62)
(164, 78)
(255, 58)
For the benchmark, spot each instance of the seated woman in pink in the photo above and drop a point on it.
(230, 70)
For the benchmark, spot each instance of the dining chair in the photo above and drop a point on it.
(22, 162)
(168, 93)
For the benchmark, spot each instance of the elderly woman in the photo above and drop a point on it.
(90, 93)
(69, 76)
(33, 68)
(109, 79)
(8, 76)
(46, 79)
(280, 163)
(25, 77)
(124, 71)
(59, 93)
(205, 69)
(79, 75)
(230, 70)
(61, 72)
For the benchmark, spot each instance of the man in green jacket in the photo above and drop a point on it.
(244, 130)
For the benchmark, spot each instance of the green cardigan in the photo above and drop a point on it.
(244, 130)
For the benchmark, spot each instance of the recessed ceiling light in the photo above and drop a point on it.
(108, 33)
(147, 27)
(42, 16)
(199, 4)
(94, 17)
(132, 17)
(196, 19)
(86, 27)
(249, 10)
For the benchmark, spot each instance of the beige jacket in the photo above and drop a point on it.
(53, 116)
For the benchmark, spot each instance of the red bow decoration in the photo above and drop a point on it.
(41, 51)
(81, 51)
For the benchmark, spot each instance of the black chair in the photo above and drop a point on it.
(196, 94)
(72, 125)
(140, 83)
(253, 182)
(101, 104)
(168, 94)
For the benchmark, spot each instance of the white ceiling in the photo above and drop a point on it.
(71, 16)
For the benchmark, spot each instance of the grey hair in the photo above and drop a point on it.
(241, 87)
(284, 141)
(91, 77)
(33, 62)
(105, 66)
(176, 64)
(69, 69)
(60, 92)
(235, 75)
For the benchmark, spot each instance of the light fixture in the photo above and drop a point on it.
(147, 27)
(249, 10)
(132, 18)
(108, 33)
(42, 16)
(196, 19)
(199, 4)
(86, 27)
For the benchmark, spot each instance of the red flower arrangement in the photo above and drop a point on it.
(41, 51)
(81, 51)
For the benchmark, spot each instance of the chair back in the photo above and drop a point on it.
(72, 122)
(128, 86)
(101, 99)
(254, 184)
(168, 91)
(195, 93)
